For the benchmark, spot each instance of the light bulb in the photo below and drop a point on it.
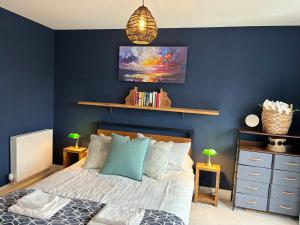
(142, 24)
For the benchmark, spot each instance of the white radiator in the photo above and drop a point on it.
(30, 154)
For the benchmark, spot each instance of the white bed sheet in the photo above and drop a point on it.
(173, 193)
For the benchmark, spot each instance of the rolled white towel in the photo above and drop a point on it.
(43, 213)
(118, 216)
(273, 107)
(284, 105)
(37, 200)
(277, 106)
(266, 102)
(269, 105)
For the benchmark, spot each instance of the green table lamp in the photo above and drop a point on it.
(210, 153)
(76, 137)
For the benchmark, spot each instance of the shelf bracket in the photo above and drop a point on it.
(110, 110)
(182, 114)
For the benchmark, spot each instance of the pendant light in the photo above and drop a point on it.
(141, 27)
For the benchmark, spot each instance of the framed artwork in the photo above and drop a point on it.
(152, 64)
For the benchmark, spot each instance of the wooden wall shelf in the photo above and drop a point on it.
(164, 109)
(257, 132)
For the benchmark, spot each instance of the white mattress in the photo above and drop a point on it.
(172, 194)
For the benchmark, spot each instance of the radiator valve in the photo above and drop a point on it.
(11, 178)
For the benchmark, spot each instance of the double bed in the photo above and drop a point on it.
(172, 194)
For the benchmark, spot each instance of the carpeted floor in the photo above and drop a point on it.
(204, 214)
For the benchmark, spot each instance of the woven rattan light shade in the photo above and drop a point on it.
(141, 26)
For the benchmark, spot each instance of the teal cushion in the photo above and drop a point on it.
(126, 157)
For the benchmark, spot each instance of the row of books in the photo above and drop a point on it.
(150, 99)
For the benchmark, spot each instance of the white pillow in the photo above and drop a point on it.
(187, 167)
(97, 151)
(178, 155)
(139, 135)
(188, 163)
(107, 139)
(178, 158)
(156, 159)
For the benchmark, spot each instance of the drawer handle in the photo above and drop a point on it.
(251, 202)
(289, 178)
(291, 164)
(288, 193)
(254, 174)
(252, 188)
(255, 159)
(285, 207)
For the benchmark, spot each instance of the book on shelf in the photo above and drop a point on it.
(149, 99)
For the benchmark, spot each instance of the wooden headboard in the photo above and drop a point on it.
(153, 136)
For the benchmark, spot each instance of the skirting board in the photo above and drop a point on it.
(29, 181)
(223, 194)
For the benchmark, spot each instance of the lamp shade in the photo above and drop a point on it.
(74, 135)
(209, 152)
(141, 27)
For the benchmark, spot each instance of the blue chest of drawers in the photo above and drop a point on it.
(266, 181)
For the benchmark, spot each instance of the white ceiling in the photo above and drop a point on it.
(108, 14)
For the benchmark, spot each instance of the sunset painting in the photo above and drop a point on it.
(152, 64)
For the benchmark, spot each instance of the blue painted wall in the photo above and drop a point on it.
(229, 69)
(26, 80)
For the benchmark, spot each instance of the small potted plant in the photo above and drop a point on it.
(75, 136)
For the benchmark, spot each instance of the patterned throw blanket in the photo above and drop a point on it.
(77, 212)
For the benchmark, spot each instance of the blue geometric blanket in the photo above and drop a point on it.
(77, 212)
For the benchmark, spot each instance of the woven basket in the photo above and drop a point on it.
(276, 123)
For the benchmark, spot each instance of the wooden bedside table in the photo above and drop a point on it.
(81, 152)
(206, 198)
